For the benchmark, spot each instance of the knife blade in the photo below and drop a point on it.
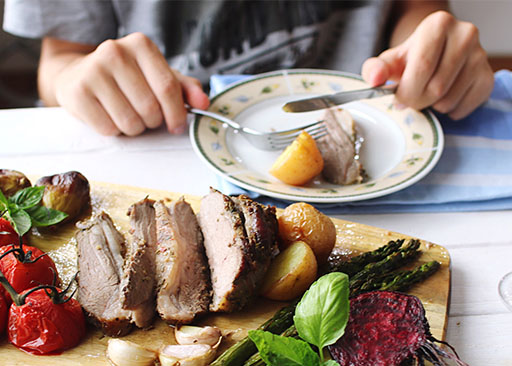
(331, 100)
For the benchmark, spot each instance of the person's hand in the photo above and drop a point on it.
(125, 86)
(441, 65)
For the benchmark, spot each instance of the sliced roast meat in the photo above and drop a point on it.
(233, 256)
(341, 162)
(181, 268)
(261, 228)
(100, 263)
(138, 285)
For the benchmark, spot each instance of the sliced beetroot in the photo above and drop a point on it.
(386, 328)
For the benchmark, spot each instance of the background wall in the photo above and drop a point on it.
(494, 20)
(19, 57)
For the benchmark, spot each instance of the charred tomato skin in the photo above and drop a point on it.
(4, 311)
(23, 276)
(41, 327)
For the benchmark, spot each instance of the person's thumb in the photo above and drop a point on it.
(388, 66)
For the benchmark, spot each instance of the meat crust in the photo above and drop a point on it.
(237, 260)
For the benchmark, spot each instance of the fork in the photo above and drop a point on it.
(267, 140)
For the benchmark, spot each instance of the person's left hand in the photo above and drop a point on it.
(441, 65)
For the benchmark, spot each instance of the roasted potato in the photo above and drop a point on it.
(299, 162)
(291, 273)
(302, 221)
(67, 192)
(11, 181)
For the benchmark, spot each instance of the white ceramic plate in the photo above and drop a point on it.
(400, 145)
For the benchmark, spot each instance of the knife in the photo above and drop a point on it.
(331, 100)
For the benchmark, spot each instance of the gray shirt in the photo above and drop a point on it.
(202, 37)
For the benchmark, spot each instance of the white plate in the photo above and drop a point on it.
(400, 145)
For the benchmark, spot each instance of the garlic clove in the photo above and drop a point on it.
(189, 334)
(125, 353)
(187, 355)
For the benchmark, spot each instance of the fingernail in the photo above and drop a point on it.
(399, 106)
(178, 130)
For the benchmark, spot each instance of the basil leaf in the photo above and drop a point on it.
(277, 350)
(43, 216)
(28, 197)
(20, 221)
(2, 198)
(330, 363)
(322, 314)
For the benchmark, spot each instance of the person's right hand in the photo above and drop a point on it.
(125, 86)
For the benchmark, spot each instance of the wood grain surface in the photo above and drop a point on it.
(352, 238)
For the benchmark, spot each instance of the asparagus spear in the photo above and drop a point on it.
(401, 281)
(355, 264)
(397, 281)
(386, 265)
(242, 350)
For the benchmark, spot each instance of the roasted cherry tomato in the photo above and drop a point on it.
(7, 233)
(4, 310)
(40, 326)
(28, 272)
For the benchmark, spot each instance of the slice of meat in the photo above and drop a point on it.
(138, 285)
(261, 228)
(100, 263)
(341, 162)
(233, 256)
(181, 269)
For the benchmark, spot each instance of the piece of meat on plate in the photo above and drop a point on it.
(101, 248)
(181, 268)
(138, 284)
(232, 255)
(338, 149)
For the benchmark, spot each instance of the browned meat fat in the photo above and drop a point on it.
(181, 268)
(233, 256)
(100, 261)
(341, 163)
(138, 285)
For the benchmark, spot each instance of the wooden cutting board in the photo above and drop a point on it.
(352, 238)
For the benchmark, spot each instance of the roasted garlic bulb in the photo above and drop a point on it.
(67, 192)
(189, 334)
(125, 353)
(11, 181)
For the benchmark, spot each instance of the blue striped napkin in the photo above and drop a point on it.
(473, 174)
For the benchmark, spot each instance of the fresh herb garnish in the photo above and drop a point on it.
(23, 210)
(320, 318)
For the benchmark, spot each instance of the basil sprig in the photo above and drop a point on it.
(320, 318)
(23, 210)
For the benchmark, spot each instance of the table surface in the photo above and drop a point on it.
(44, 141)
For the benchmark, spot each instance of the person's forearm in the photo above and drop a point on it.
(408, 14)
(55, 57)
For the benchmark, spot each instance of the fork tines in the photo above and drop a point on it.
(279, 140)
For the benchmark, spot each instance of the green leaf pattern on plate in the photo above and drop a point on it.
(412, 161)
(307, 84)
(214, 127)
(227, 162)
(269, 88)
(328, 190)
(418, 138)
(225, 110)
